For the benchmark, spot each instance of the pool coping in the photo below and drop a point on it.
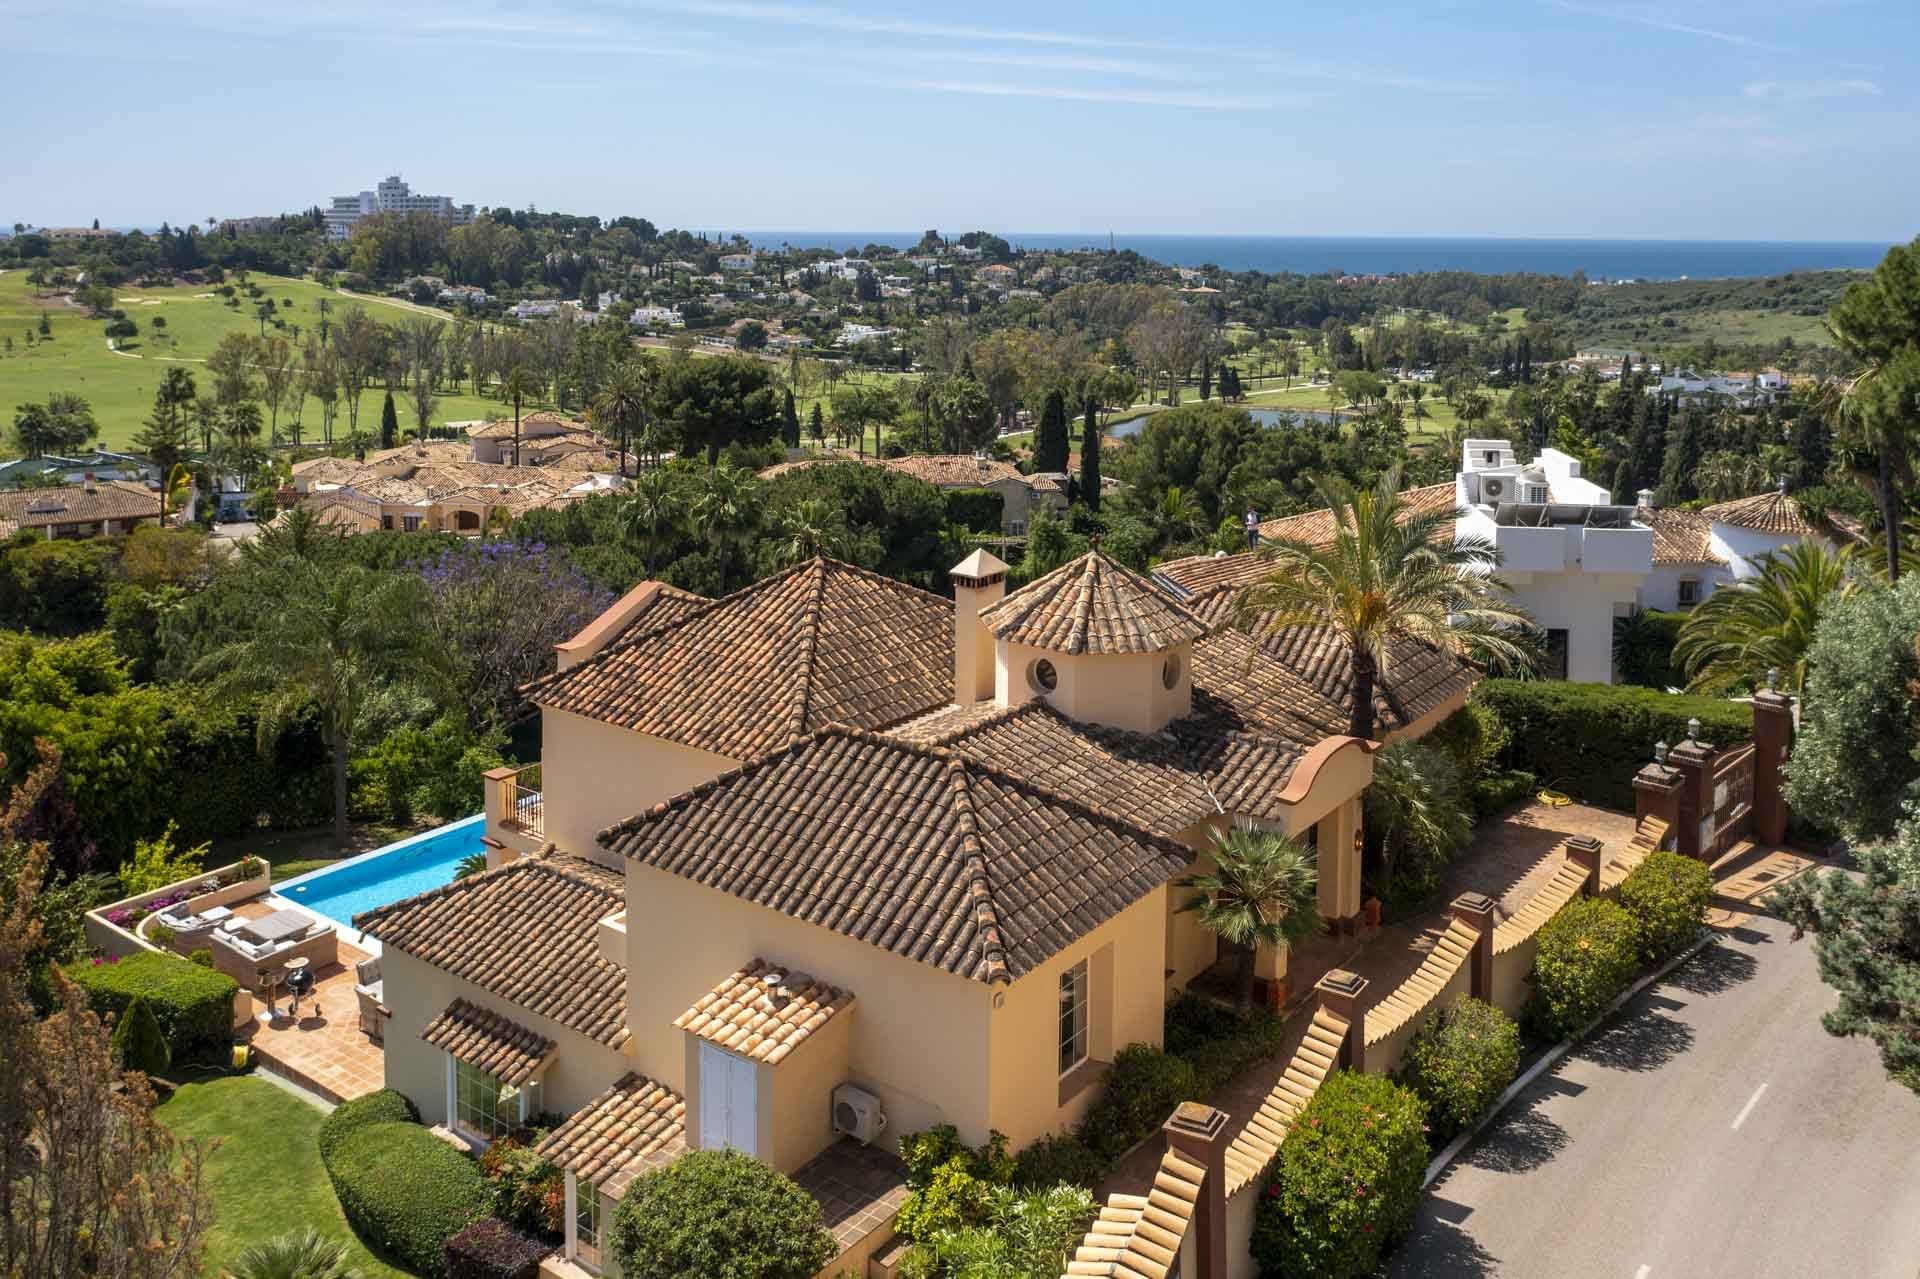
(348, 933)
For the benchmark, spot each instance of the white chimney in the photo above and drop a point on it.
(979, 582)
(1645, 498)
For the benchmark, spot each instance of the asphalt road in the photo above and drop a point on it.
(1713, 1128)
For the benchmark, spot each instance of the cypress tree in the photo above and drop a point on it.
(389, 423)
(1090, 458)
(1050, 441)
(1206, 376)
(816, 425)
(137, 1040)
(790, 422)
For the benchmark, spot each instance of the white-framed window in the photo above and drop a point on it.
(1689, 592)
(1536, 493)
(1073, 1017)
(480, 1106)
(586, 1226)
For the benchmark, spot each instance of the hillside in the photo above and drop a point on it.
(1750, 312)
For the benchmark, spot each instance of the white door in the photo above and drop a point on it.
(728, 1113)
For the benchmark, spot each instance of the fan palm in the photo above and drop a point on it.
(305, 1254)
(727, 507)
(623, 402)
(649, 513)
(471, 864)
(1389, 574)
(1765, 622)
(809, 529)
(336, 636)
(1178, 515)
(300, 535)
(1263, 890)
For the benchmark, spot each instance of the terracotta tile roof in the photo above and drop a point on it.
(75, 504)
(328, 470)
(1316, 528)
(1771, 512)
(919, 851)
(1092, 605)
(1237, 689)
(955, 470)
(1149, 780)
(1679, 537)
(1249, 1153)
(530, 423)
(740, 1016)
(484, 1039)
(630, 1128)
(821, 643)
(527, 931)
(668, 604)
(1417, 679)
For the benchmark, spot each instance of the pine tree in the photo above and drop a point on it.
(1050, 441)
(1090, 458)
(389, 423)
(790, 422)
(137, 1041)
(1206, 376)
(816, 424)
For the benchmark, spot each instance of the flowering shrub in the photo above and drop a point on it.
(1460, 1060)
(1667, 896)
(156, 863)
(529, 1192)
(1347, 1181)
(1588, 953)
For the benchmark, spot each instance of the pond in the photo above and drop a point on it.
(1265, 417)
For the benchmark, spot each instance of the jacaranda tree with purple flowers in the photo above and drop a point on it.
(496, 609)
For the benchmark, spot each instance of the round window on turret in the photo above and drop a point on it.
(1170, 671)
(1041, 676)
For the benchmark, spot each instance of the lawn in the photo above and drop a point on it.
(120, 386)
(266, 1177)
(295, 852)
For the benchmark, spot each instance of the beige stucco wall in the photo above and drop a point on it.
(1122, 690)
(919, 1038)
(594, 775)
(801, 1125)
(1383, 1058)
(1126, 996)
(1191, 949)
(417, 992)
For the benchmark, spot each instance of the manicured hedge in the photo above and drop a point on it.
(1588, 954)
(1347, 1181)
(491, 1249)
(1141, 1089)
(405, 1191)
(1667, 895)
(193, 1005)
(719, 1214)
(1588, 740)
(1460, 1060)
(383, 1107)
(975, 509)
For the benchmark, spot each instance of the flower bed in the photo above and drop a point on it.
(118, 928)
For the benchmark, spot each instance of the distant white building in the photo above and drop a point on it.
(843, 268)
(535, 310)
(851, 333)
(1697, 552)
(737, 262)
(648, 316)
(1743, 388)
(1572, 558)
(391, 196)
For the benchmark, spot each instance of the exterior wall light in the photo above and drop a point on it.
(1693, 729)
(1773, 679)
(1660, 753)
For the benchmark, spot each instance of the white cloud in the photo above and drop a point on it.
(1810, 90)
(1667, 24)
(1142, 97)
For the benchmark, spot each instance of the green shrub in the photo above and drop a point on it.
(1500, 790)
(201, 956)
(1473, 736)
(138, 1043)
(1588, 740)
(948, 1181)
(193, 1005)
(1143, 1086)
(977, 510)
(1643, 649)
(156, 863)
(1587, 955)
(1667, 896)
(529, 1192)
(1055, 1159)
(1347, 1181)
(383, 1107)
(405, 1191)
(1219, 1042)
(1461, 1059)
(719, 1214)
(1024, 1236)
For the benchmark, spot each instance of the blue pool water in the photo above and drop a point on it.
(388, 874)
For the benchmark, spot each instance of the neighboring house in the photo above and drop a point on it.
(535, 310)
(851, 333)
(92, 508)
(1021, 496)
(835, 858)
(97, 464)
(1745, 389)
(736, 262)
(493, 441)
(1697, 552)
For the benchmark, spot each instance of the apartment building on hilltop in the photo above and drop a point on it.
(391, 195)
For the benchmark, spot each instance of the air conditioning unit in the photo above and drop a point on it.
(1493, 487)
(857, 1113)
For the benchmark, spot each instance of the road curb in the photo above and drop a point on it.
(1438, 1164)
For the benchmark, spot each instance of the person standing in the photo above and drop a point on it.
(1253, 529)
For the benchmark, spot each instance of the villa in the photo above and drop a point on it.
(1697, 552)
(91, 508)
(833, 859)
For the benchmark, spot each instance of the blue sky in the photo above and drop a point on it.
(1742, 119)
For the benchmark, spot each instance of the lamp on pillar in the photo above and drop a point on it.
(1660, 753)
(1773, 679)
(1693, 728)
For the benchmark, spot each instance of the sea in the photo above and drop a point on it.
(1385, 255)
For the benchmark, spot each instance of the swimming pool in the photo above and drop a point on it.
(413, 865)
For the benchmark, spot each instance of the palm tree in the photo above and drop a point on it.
(1414, 805)
(1877, 324)
(1178, 514)
(623, 401)
(518, 383)
(1389, 574)
(726, 508)
(810, 529)
(649, 513)
(335, 636)
(306, 1254)
(1263, 890)
(300, 535)
(1765, 622)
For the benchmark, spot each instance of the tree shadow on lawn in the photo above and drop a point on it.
(1646, 1039)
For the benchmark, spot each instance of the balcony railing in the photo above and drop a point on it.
(525, 808)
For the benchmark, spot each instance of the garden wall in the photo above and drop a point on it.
(110, 938)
